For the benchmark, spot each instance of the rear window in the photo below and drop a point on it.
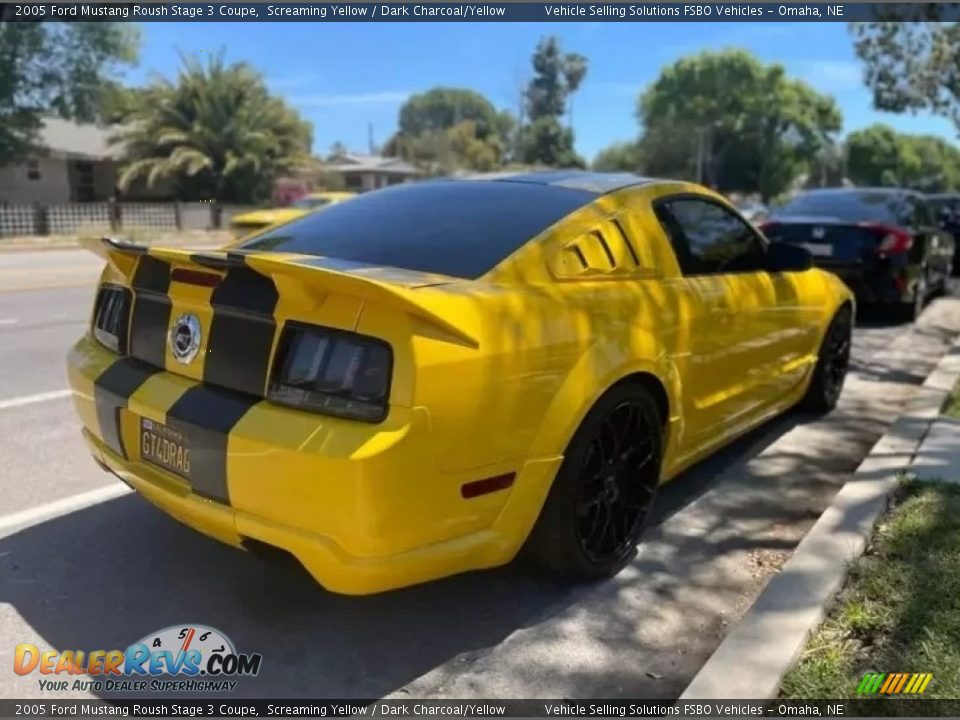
(461, 228)
(852, 206)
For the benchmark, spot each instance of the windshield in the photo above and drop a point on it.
(852, 206)
(461, 228)
(309, 203)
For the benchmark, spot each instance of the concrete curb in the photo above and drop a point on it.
(752, 659)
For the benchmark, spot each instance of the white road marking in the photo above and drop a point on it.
(8, 321)
(31, 399)
(65, 506)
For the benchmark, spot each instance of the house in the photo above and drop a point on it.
(369, 172)
(78, 165)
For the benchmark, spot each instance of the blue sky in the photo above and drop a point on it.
(345, 76)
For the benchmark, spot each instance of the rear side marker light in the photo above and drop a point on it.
(487, 486)
(195, 277)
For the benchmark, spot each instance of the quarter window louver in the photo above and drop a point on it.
(111, 317)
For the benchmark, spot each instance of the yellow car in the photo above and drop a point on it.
(431, 377)
(250, 222)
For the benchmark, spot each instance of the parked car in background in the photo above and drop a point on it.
(251, 222)
(885, 243)
(947, 209)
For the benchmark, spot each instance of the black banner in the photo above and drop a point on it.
(165, 708)
(477, 11)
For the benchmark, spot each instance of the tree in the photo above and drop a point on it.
(622, 156)
(759, 138)
(546, 142)
(52, 68)
(557, 75)
(878, 155)
(441, 108)
(445, 129)
(912, 66)
(215, 133)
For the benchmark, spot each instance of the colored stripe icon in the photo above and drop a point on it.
(894, 683)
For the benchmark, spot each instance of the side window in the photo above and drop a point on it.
(709, 239)
(914, 212)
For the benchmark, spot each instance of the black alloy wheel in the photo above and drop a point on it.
(601, 498)
(833, 361)
(616, 484)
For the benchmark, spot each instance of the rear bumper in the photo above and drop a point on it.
(363, 507)
(891, 284)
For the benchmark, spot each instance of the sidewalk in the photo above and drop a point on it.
(938, 457)
(751, 661)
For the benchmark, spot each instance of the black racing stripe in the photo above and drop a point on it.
(241, 332)
(151, 310)
(206, 415)
(111, 392)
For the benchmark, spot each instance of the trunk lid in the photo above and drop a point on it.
(215, 316)
(831, 241)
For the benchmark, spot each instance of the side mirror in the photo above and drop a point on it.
(784, 257)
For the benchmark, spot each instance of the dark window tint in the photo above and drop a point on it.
(924, 213)
(854, 206)
(914, 212)
(708, 239)
(459, 228)
(939, 203)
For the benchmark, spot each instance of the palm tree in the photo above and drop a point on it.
(214, 134)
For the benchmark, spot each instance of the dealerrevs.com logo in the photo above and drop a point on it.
(176, 659)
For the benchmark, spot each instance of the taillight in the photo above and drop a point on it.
(332, 372)
(110, 317)
(893, 240)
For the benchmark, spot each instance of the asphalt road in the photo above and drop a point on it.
(99, 576)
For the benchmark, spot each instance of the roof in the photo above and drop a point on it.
(355, 162)
(879, 190)
(598, 183)
(69, 139)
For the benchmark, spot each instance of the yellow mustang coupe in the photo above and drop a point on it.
(429, 378)
(250, 222)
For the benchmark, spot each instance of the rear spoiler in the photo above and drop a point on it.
(308, 280)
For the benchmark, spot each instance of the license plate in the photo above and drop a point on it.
(164, 447)
(819, 249)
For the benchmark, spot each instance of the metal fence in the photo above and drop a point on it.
(106, 217)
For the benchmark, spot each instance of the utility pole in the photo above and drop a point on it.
(370, 145)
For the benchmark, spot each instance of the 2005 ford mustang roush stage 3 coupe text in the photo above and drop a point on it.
(431, 377)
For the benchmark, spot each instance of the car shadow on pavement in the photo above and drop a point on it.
(107, 575)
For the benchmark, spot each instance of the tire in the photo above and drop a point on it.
(833, 360)
(909, 312)
(597, 509)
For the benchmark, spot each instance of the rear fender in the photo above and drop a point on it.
(598, 370)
